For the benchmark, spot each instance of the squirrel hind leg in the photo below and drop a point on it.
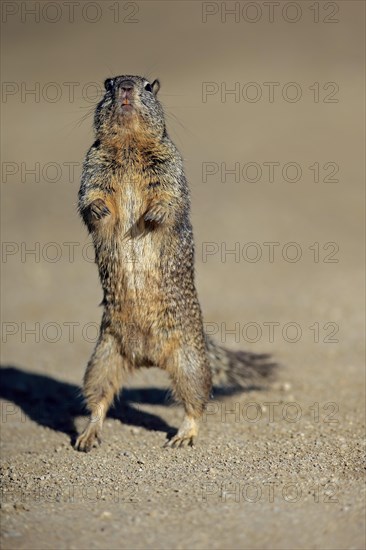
(102, 382)
(192, 386)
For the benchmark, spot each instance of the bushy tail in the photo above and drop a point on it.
(236, 370)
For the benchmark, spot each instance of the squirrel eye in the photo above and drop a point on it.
(148, 87)
(108, 84)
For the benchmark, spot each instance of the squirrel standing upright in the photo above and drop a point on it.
(134, 200)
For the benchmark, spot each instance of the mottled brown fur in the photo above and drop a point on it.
(134, 200)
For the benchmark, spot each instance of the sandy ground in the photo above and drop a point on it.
(277, 467)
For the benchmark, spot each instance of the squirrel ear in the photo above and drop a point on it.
(108, 84)
(155, 86)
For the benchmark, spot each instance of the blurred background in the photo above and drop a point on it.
(265, 101)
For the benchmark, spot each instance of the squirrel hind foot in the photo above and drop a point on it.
(186, 435)
(88, 439)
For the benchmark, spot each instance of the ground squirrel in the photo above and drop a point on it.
(134, 200)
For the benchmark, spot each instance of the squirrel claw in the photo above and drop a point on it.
(178, 442)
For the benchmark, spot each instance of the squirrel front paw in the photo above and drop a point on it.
(98, 209)
(158, 213)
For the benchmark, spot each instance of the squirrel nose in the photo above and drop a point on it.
(126, 85)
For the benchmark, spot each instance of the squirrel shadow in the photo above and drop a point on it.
(55, 404)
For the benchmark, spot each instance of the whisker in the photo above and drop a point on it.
(80, 120)
(173, 117)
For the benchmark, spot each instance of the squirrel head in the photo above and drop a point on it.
(129, 110)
